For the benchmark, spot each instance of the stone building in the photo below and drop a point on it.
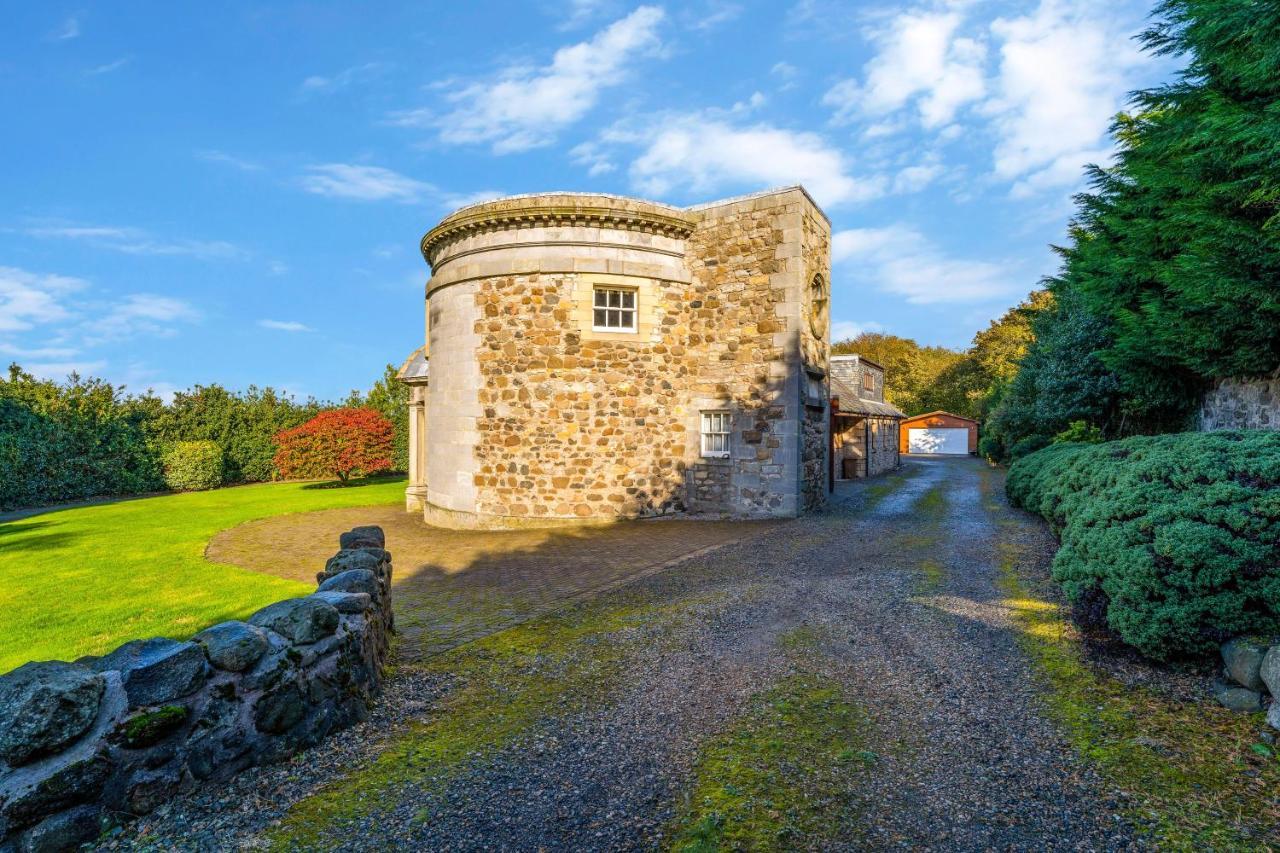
(864, 428)
(594, 357)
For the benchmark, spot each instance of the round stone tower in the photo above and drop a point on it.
(578, 341)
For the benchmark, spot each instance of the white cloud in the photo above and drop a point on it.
(57, 371)
(37, 352)
(915, 178)
(843, 330)
(107, 68)
(526, 107)
(921, 62)
(715, 15)
(900, 260)
(1064, 71)
(1043, 85)
(704, 153)
(594, 157)
(214, 156)
(363, 183)
(28, 299)
(139, 314)
(47, 330)
(318, 84)
(786, 74)
(453, 201)
(285, 325)
(70, 29)
(134, 241)
(581, 12)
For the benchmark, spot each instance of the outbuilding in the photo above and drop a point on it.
(939, 433)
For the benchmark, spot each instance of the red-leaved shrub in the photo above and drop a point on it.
(339, 443)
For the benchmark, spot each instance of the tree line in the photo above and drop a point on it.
(920, 379)
(63, 441)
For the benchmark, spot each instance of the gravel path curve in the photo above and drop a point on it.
(898, 583)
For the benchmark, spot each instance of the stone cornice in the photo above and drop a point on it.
(559, 210)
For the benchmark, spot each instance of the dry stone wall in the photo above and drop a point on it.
(88, 744)
(1241, 404)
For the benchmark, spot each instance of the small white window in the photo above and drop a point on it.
(715, 434)
(614, 310)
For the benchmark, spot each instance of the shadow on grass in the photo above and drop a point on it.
(13, 527)
(376, 480)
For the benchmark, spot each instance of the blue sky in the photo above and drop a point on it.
(234, 193)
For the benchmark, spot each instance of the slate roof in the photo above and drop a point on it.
(852, 404)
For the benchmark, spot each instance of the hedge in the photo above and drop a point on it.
(1172, 540)
(191, 466)
(84, 437)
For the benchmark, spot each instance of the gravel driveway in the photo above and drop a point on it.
(628, 721)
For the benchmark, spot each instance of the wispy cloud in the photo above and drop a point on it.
(364, 183)
(134, 241)
(318, 84)
(222, 157)
(109, 67)
(139, 314)
(712, 15)
(69, 29)
(58, 371)
(843, 330)
(49, 320)
(38, 352)
(527, 106)
(899, 259)
(29, 298)
(285, 325)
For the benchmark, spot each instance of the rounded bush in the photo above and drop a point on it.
(191, 466)
(1178, 536)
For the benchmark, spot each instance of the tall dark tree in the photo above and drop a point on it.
(1172, 273)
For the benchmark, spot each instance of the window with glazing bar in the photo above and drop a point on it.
(715, 434)
(614, 310)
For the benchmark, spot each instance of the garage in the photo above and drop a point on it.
(926, 440)
(939, 434)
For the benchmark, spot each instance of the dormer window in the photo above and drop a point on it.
(868, 381)
(614, 310)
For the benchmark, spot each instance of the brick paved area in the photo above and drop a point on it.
(453, 586)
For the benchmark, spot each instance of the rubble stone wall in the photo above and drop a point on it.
(548, 419)
(87, 744)
(1241, 404)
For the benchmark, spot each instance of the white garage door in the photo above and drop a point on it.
(938, 441)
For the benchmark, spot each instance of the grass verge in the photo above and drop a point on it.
(1196, 776)
(81, 581)
(779, 777)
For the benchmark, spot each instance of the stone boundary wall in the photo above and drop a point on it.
(87, 745)
(1241, 404)
(1250, 679)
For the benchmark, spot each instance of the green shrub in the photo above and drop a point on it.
(1027, 446)
(1079, 432)
(1179, 534)
(191, 466)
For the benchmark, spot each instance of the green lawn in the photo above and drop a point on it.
(81, 581)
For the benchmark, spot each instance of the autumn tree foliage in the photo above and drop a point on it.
(339, 443)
